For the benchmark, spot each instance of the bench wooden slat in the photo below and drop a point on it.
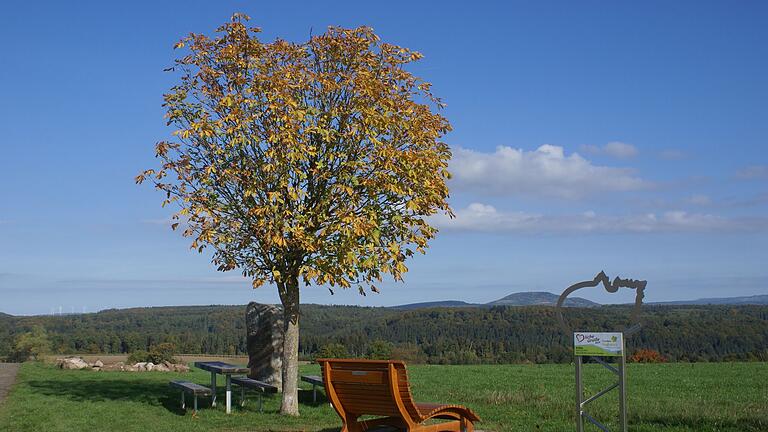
(254, 384)
(191, 387)
(313, 379)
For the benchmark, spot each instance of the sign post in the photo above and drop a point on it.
(599, 345)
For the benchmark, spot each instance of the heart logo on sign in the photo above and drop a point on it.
(579, 337)
(611, 287)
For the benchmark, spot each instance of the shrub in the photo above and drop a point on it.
(410, 353)
(138, 356)
(645, 355)
(379, 350)
(162, 352)
(157, 354)
(333, 350)
(31, 345)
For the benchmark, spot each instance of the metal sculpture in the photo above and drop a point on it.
(611, 287)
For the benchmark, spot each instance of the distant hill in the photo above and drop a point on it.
(745, 300)
(540, 298)
(436, 304)
(543, 298)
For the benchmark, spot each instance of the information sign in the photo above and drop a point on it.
(600, 344)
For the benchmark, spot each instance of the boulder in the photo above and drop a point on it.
(161, 368)
(180, 368)
(73, 363)
(98, 364)
(140, 366)
(119, 366)
(150, 366)
(264, 324)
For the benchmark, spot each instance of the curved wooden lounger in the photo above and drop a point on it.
(380, 388)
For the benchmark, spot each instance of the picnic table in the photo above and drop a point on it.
(225, 369)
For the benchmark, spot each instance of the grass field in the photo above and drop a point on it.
(668, 397)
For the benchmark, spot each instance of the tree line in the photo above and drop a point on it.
(440, 335)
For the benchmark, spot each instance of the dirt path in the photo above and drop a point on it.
(7, 378)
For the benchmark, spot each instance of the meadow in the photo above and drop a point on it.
(668, 397)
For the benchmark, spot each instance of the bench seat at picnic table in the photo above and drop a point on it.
(250, 383)
(190, 387)
(254, 384)
(313, 379)
(359, 388)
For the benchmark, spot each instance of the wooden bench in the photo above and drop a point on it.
(315, 381)
(192, 388)
(380, 388)
(248, 383)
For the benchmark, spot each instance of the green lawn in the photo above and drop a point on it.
(668, 397)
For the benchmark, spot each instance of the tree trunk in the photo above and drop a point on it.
(289, 296)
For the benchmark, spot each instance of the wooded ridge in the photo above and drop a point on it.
(457, 335)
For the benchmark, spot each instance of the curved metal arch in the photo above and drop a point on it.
(611, 287)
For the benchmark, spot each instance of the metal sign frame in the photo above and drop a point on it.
(621, 384)
(620, 369)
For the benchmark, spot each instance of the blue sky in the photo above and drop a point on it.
(628, 137)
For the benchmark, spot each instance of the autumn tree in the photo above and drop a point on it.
(31, 345)
(298, 164)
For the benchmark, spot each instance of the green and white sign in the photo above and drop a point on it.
(600, 344)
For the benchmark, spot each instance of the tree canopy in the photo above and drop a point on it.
(319, 159)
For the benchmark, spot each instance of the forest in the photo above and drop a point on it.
(500, 334)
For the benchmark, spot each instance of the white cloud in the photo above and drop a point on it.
(753, 172)
(615, 149)
(545, 171)
(483, 217)
(479, 217)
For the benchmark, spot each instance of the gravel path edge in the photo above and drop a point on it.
(8, 373)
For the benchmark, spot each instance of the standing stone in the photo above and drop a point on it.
(265, 343)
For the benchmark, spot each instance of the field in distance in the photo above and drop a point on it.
(661, 397)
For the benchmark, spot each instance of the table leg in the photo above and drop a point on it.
(183, 402)
(314, 393)
(213, 389)
(229, 393)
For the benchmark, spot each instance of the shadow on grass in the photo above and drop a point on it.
(305, 398)
(746, 424)
(146, 392)
(100, 390)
